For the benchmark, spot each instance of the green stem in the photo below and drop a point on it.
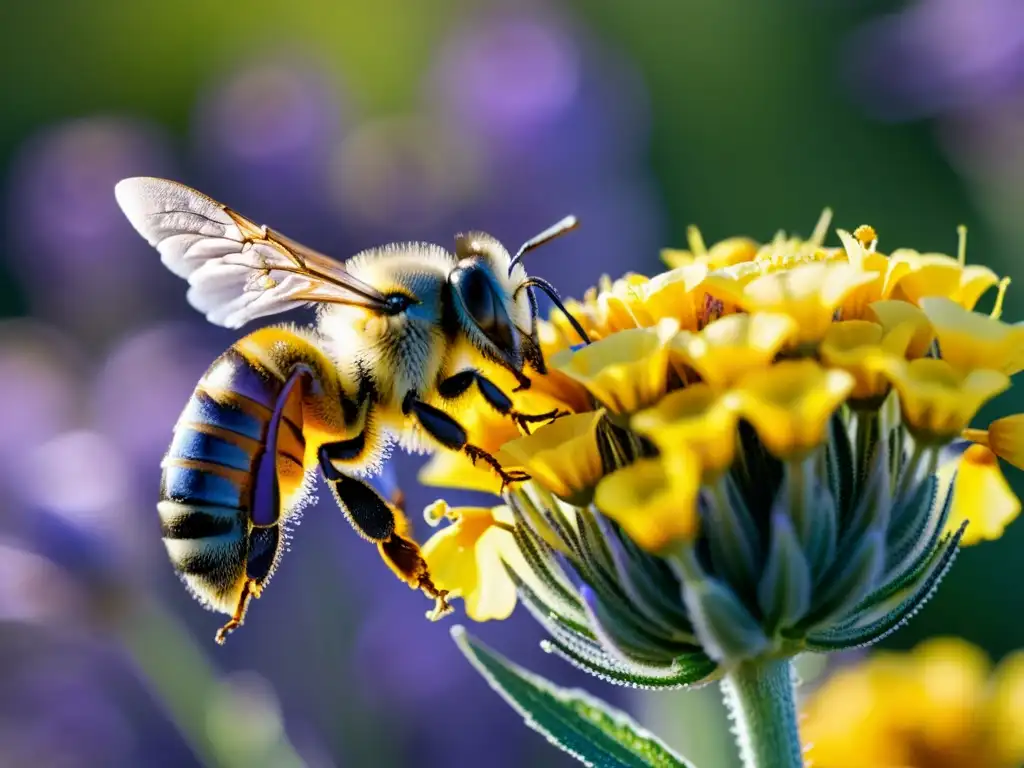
(760, 696)
(185, 682)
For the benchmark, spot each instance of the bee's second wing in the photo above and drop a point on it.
(237, 270)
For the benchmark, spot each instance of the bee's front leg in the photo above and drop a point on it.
(449, 433)
(456, 385)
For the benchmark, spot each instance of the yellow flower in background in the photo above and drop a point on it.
(969, 340)
(981, 496)
(625, 372)
(654, 500)
(790, 404)
(695, 419)
(465, 558)
(941, 705)
(854, 346)
(936, 400)
(733, 345)
(562, 456)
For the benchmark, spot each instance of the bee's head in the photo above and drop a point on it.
(500, 323)
(496, 308)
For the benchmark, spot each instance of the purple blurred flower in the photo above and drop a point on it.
(263, 137)
(561, 125)
(407, 668)
(79, 260)
(69, 490)
(59, 713)
(538, 92)
(39, 392)
(940, 56)
(143, 385)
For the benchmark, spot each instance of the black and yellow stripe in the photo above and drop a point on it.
(208, 489)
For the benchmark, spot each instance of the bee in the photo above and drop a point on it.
(402, 334)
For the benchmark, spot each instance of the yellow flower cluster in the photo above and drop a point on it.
(940, 706)
(779, 338)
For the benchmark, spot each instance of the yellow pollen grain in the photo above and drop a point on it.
(866, 236)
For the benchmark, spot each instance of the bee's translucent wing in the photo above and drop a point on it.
(237, 270)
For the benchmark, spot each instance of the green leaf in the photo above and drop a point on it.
(586, 728)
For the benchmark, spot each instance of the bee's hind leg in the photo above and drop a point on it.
(380, 522)
(447, 431)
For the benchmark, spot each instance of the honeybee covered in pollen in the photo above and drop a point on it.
(401, 334)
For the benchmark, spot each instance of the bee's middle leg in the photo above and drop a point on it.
(378, 521)
(447, 431)
(456, 385)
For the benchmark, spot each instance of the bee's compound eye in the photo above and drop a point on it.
(397, 302)
(477, 297)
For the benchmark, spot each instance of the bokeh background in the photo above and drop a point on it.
(348, 124)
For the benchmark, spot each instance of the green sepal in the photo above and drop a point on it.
(840, 463)
(873, 507)
(824, 530)
(616, 625)
(539, 557)
(586, 728)
(850, 580)
(910, 518)
(871, 625)
(725, 626)
(784, 592)
(733, 539)
(685, 671)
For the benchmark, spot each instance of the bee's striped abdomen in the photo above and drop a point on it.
(209, 489)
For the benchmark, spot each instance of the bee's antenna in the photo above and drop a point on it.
(549, 289)
(567, 224)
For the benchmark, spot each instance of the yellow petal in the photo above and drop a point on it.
(465, 558)
(936, 401)
(626, 371)
(928, 274)
(677, 294)
(495, 595)
(981, 496)
(654, 500)
(722, 254)
(969, 340)
(1006, 439)
(562, 456)
(730, 346)
(974, 281)
(695, 419)
(895, 314)
(809, 293)
(452, 469)
(852, 345)
(790, 404)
